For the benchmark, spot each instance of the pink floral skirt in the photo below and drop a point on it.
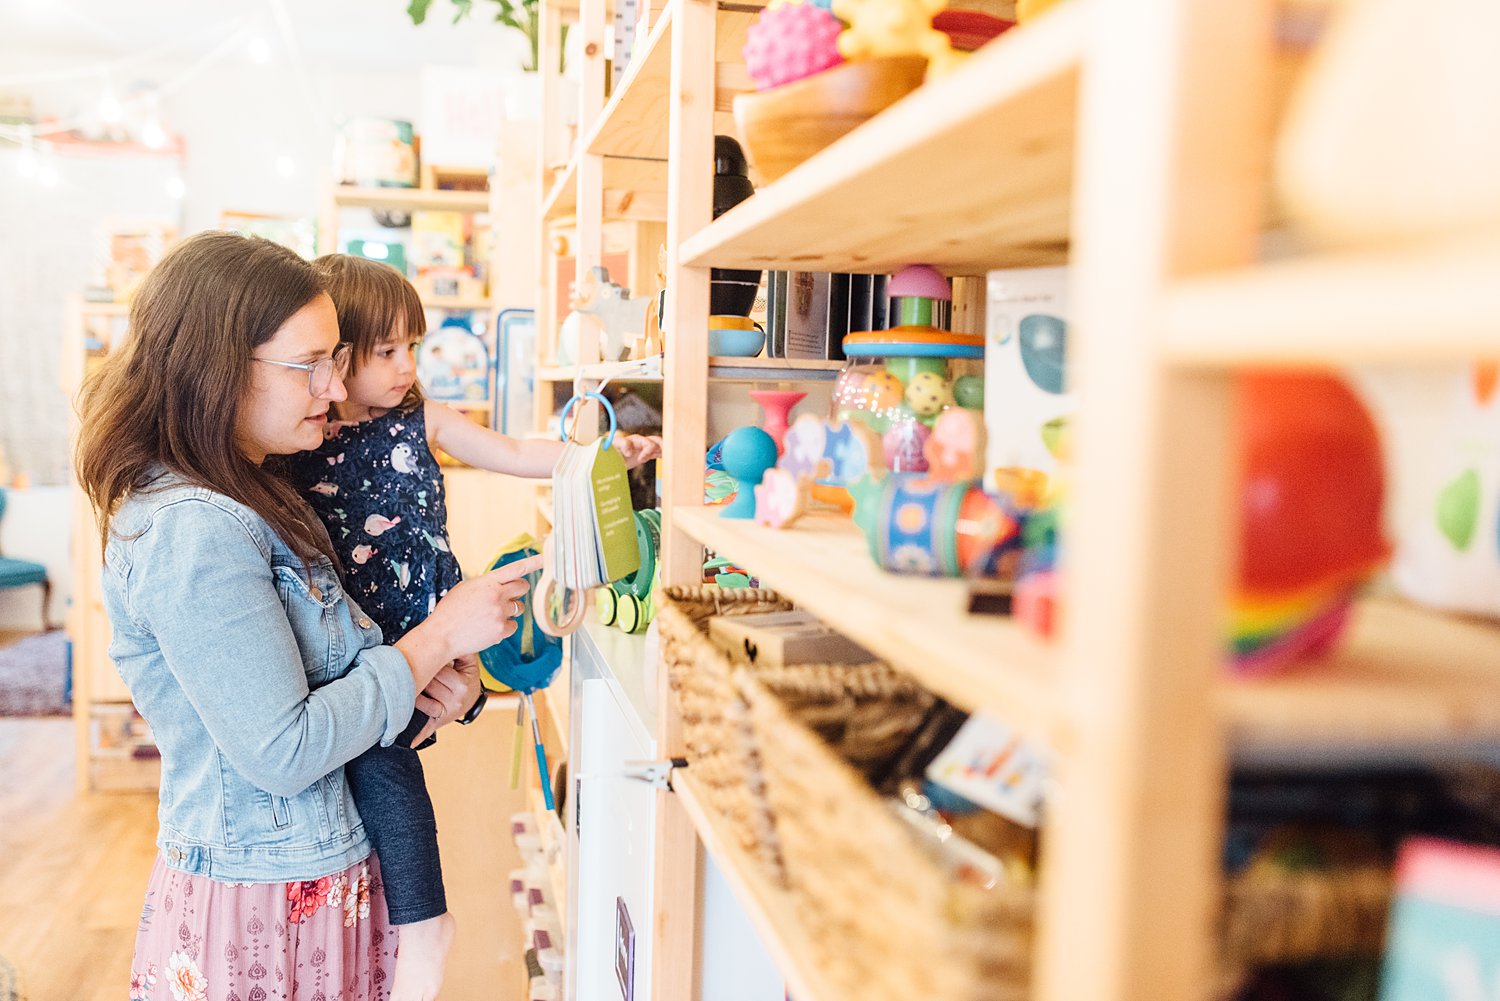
(319, 940)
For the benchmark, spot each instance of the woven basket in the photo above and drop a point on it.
(865, 711)
(869, 896)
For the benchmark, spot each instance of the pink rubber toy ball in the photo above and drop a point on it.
(791, 41)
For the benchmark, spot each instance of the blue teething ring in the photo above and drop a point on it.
(608, 408)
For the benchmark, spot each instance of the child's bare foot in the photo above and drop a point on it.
(421, 956)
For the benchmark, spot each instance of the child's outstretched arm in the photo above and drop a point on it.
(532, 457)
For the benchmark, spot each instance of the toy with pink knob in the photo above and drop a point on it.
(900, 381)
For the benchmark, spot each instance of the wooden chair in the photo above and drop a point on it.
(23, 573)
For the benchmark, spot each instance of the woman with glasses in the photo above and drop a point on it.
(259, 677)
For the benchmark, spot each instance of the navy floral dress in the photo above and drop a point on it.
(378, 489)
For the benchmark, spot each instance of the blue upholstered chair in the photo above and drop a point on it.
(22, 573)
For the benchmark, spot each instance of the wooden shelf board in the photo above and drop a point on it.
(562, 198)
(970, 172)
(1404, 677)
(919, 625)
(720, 368)
(1430, 304)
(771, 910)
(633, 189)
(456, 302)
(634, 122)
(411, 199)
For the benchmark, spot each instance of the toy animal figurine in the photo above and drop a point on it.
(804, 443)
(622, 317)
(879, 28)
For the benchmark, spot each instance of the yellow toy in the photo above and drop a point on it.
(881, 28)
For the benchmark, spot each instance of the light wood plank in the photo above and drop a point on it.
(411, 199)
(633, 189)
(1405, 677)
(1169, 183)
(921, 626)
(970, 172)
(771, 910)
(456, 302)
(634, 123)
(1427, 304)
(685, 412)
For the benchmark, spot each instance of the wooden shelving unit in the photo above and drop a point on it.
(719, 368)
(771, 909)
(1083, 138)
(975, 171)
(410, 199)
(101, 701)
(921, 626)
(1430, 304)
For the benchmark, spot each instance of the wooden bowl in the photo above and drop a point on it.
(783, 126)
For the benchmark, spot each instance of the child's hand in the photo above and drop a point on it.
(638, 449)
(332, 428)
(449, 695)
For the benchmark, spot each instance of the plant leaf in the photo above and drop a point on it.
(417, 10)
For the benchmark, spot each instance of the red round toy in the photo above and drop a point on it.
(1312, 483)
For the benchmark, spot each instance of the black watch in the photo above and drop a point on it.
(475, 709)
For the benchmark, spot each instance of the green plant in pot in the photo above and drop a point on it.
(525, 16)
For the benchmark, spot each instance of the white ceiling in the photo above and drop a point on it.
(340, 35)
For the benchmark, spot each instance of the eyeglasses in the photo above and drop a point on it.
(320, 372)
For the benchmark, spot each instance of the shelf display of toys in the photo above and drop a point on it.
(900, 380)
(942, 523)
(1450, 557)
(1311, 493)
(439, 243)
(807, 94)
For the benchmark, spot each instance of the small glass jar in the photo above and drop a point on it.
(897, 382)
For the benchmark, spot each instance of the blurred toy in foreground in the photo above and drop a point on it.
(1311, 491)
(1450, 557)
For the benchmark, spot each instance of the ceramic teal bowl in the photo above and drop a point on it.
(735, 343)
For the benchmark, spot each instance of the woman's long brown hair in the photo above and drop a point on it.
(171, 395)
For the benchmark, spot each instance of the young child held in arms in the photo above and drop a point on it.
(379, 491)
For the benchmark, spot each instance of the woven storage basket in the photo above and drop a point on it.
(870, 897)
(865, 711)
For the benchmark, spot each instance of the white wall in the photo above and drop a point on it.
(35, 527)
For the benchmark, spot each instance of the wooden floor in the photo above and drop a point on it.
(73, 868)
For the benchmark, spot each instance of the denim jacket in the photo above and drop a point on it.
(259, 681)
